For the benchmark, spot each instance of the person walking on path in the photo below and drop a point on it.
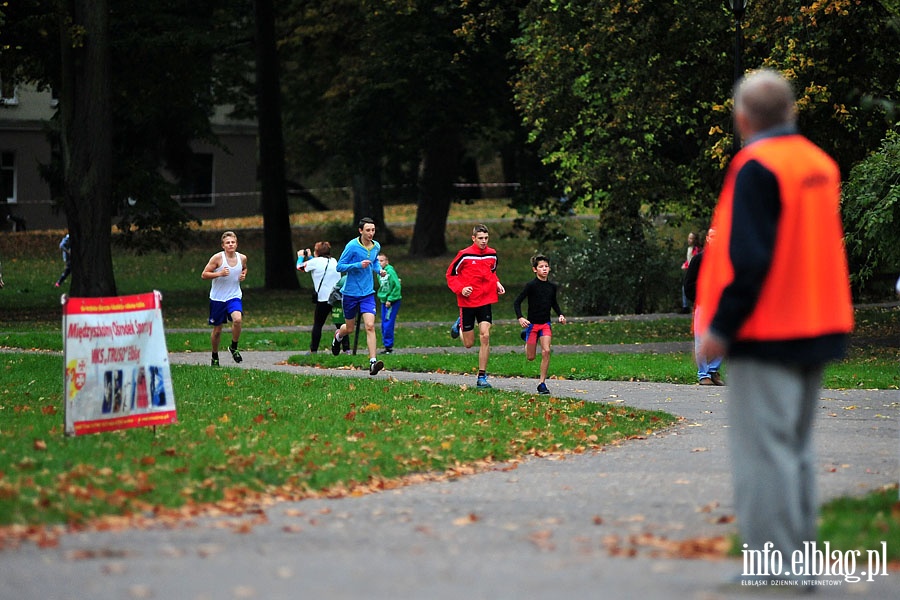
(693, 249)
(359, 262)
(66, 246)
(707, 368)
(390, 295)
(472, 275)
(541, 296)
(226, 270)
(322, 268)
(775, 293)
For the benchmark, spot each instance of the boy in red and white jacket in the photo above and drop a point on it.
(473, 278)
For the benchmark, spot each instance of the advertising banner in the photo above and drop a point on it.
(116, 364)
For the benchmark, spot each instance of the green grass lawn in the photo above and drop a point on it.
(867, 369)
(277, 434)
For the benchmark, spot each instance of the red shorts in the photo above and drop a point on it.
(536, 330)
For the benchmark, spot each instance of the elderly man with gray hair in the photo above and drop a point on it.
(776, 295)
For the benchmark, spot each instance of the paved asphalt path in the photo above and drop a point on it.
(596, 525)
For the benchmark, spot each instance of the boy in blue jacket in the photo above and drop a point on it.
(359, 261)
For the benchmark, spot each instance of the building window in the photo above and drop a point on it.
(8, 177)
(9, 93)
(197, 186)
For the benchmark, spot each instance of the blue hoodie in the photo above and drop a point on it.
(360, 281)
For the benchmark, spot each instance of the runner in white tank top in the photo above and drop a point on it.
(226, 287)
(226, 270)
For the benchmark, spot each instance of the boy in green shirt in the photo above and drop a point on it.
(390, 296)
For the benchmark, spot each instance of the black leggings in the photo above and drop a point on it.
(322, 314)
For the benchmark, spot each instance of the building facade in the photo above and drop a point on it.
(223, 181)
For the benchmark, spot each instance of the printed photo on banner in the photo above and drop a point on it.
(116, 364)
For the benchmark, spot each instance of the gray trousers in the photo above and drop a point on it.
(770, 413)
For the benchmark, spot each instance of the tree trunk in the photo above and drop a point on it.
(368, 201)
(85, 122)
(278, 247)
(441, 168)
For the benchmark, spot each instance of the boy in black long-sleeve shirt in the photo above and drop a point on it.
(541, 296)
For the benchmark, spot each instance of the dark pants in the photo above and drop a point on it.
(323, 311)
(65, 273)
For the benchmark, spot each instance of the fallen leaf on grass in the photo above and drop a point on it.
(466, 520)
(542, 539)
(114, 568)
(207, 550)
(244, 527)
(614, 547)
(662, 547)
(633, 519)
(140, 591)
(91, 553)
(724, 520)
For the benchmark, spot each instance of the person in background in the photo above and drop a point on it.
(541, 296)
(472, 276)
(226, 270)
(66, 246)
(774, 290)
(322, 268)
(389, 293)
(692, 251)
(707, 368)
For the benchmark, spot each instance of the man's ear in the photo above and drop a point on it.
(742, 125)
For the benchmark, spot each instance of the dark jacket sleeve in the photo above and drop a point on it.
(756, 212)
(690, 277)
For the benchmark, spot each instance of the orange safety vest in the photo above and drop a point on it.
(806, 292)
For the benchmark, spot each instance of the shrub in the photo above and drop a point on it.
(615, 274)
(871, 211)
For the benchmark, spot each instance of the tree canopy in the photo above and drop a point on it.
(626, 102)
(871, 210)
(630, 99)
(394, 93)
